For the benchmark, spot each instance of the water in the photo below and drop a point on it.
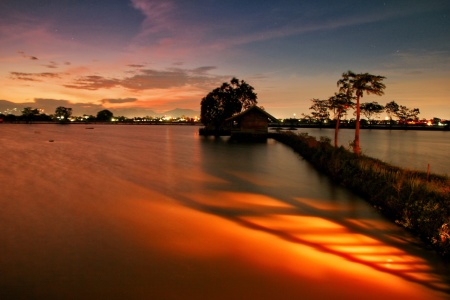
(411, 149)
(157, 212)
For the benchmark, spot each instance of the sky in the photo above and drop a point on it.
(144, 57)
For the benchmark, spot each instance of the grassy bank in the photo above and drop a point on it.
(415, 200)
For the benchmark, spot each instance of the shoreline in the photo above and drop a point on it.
(373, 127)
(416, 201)
(272, 127)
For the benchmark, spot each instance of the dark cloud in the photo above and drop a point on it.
(136, 66)
(50, 105)
(203, 70)
(93, 82)
(22, 76)
(48, 75)
(27, 56)
(124, 100)
(51, 65)
(154, 79)
(33, 76)
(146, 79)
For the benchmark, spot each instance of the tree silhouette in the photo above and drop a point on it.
(391, 109)
(371, 109)
(104, 115)
(339, 103)
(404, 113)
(63, 113)
(28, 114)
(225, 101)
(356, 84)
(320, 110)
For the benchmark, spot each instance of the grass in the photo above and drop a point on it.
(415, 200)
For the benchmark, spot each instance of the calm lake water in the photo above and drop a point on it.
(411, 149)
(157, 212)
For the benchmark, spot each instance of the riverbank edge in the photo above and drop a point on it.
(417, 201)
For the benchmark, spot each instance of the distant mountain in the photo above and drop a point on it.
(131, 112)
(179, 112)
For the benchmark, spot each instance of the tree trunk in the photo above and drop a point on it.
(336, 130)
(356, 147)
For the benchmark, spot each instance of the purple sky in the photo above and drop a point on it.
(144, 56)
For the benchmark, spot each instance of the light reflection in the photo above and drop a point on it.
(322, 235)
(237, 200)
(198, 236)
(160, 226)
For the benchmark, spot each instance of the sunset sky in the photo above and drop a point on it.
(139, 57)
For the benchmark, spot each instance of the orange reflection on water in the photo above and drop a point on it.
(236, 200)
(246, 236)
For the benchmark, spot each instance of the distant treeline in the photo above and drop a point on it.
(64, 115)
(307, 123)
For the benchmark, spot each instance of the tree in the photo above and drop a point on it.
(63, 113)
(320, 110)
(356, 84)
(104, 115)
(225, 101)
(391, 109)
(436, 121)
(404, 113)
(371, 109)
(339, 103)
(28, 114)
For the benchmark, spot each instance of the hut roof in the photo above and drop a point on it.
(254, 107)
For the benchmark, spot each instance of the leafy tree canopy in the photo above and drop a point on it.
(63, 113)
(371, 109)
(339, 103)
(320, 110)
(225, 101)
(353, 84)
(104, 115)
(391, 108)
(404, 113)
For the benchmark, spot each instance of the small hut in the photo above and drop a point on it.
(250, 124)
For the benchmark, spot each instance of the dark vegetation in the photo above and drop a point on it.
(63, 115)
(418, 201)
(225, 101)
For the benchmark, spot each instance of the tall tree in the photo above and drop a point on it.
(371, 109)
(339, 103)
(320, 110)
(225, 101)
(356, 84)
